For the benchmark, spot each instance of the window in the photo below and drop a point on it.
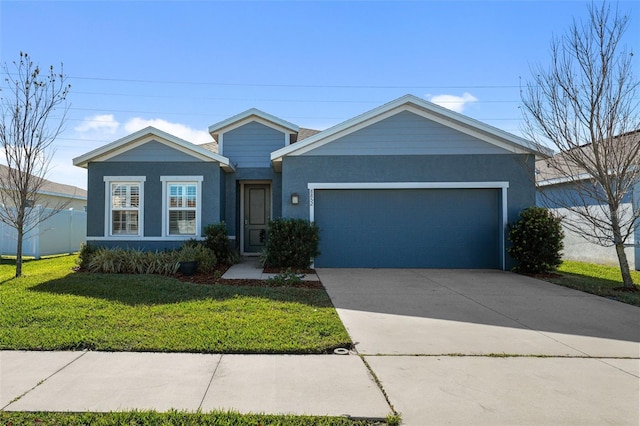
(124, 201)
(181, 205)
(182, 208)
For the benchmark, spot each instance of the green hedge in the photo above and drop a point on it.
(216, 239)
(536, 240)
(291, 243)
(132, 261)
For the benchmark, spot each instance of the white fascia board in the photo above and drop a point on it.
(408, 185)
(423, 108)
(84, 159)
(564, 179)
(341, 128)
(146, 135)
(479, 130)
(249, 115)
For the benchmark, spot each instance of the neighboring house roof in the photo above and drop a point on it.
(146, 135)
(211, 146)
(54, 188)
(305, 133)
(560, 169)
(252, 114)
(418, 106)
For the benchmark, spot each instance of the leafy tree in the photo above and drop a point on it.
(27, 133)
(585, 106)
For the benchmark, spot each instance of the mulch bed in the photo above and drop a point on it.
(544, 275)
(214, 278)
(627, 289)
(268, 270)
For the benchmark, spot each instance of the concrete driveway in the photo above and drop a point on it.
(491, 347)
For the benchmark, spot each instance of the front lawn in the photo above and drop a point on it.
(54, 308)
(596, 279)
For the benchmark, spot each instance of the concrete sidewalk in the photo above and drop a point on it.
(114, 381)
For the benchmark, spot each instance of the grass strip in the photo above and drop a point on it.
(596, 279)
(140, 418)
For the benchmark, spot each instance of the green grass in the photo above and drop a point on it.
(53, 308)
(596, 279)
(139, 418)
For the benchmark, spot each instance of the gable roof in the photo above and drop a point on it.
(146, 135)
(252, 114)
(54, 188)
(418, 106)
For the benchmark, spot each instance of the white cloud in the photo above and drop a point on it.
(102, 123)
(453, 102)
(176, 129)
(62, 171)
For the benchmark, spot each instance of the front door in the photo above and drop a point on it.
(257, 211)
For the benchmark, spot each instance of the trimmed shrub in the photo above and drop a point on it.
(129, 261)
(285, 278)
(536, 240)
(217, 240)
(206, 258)
(291, 243)
(86, 254)
(133, 261)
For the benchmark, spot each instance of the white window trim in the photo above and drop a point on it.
(502, 186)
(166, 180)
(108, 224)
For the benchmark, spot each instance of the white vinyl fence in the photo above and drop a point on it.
(61, 233)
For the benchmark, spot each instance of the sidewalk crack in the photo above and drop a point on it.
(379, 384)
(215, 370)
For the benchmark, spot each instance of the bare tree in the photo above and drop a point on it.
(27, 132)
(585, 105)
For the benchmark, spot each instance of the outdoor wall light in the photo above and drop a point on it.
(295, 199)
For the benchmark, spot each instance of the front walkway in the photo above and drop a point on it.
(249, 269)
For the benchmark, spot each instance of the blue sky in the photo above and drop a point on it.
(183, 66)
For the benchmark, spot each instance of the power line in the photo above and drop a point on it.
(295, 86)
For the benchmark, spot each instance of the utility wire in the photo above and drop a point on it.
(296, 86)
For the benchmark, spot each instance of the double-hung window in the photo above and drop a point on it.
(181, 205)
(125, 200)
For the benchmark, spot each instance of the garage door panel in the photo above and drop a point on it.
(436, 228)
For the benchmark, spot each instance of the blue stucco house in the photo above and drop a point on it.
(407, 184)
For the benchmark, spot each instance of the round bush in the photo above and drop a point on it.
(536, 240)
(291, 243)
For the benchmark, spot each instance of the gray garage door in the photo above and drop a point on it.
(400, 228)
